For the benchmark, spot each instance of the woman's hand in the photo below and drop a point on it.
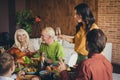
(61, 37)
(62, 66)
(66, 38)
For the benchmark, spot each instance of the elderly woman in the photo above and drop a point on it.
(22, 41)
(22, 46)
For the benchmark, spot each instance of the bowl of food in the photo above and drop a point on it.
(30, 70)
(43, 72)
(46, 75)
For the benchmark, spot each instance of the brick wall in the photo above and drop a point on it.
(109, 21)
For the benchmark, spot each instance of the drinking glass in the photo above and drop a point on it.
(58, 31)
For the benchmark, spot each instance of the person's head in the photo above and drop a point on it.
(7, 65)
(48, 34)
(96, 41)
(83, 14)
(21, 36)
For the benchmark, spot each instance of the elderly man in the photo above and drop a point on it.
(52, 49)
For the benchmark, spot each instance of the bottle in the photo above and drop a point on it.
(41, 62)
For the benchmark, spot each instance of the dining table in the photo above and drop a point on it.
(40, 71)
(47, 73)
(47, 76)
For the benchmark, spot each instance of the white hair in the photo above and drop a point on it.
(50, 31)
(20, 32)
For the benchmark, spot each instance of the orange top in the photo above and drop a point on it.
(80, 40)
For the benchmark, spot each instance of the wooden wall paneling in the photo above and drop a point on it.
(12, 21)
(94, 7)
(57, 13)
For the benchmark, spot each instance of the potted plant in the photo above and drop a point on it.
(24, 19)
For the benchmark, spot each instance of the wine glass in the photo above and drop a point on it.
(58, 31)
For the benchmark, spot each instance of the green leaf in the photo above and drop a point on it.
(24, 19)
(27, 60)
(36, 56)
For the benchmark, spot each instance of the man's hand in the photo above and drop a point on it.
(49, 61)
(62, 66)
(20, 75)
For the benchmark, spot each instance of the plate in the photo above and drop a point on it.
(29, 71)
(43, 72)
(32, 73)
